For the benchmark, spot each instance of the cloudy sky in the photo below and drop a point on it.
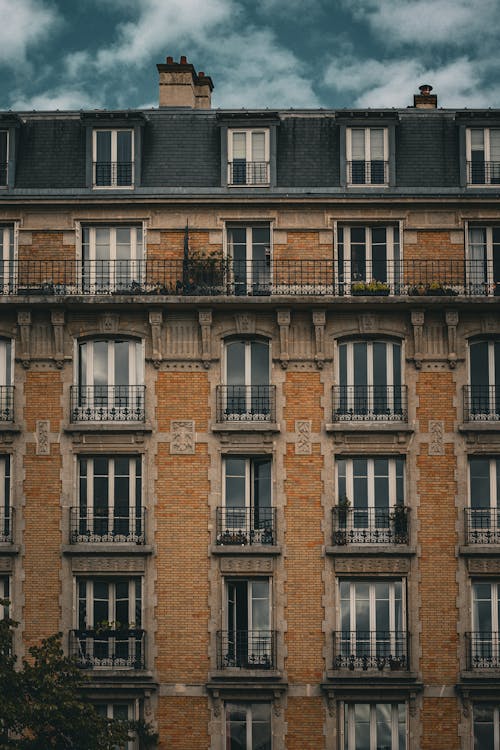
(72, 54)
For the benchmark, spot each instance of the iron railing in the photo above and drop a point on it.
(113, 173)
(246, 403)
(366, 403)
(6, 403)
(482, 526)
(240, 526)
(483, 172)
(3, 173)
(216, 276)
(6, 525)
(242, 172)
(481, 403)
(108, 403)
(371, 525)
(99, 526)
(108, 648)
(361, 650)
(483, 650)
(246, 649)
(374, 172)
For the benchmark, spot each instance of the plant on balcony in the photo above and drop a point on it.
(439, 289)
(202, 273)
(340, 535)
(370, 288)
(399, 523)
(233, 537)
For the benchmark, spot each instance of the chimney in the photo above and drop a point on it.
(181, 86)
(425, 100)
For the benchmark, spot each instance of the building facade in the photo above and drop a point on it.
(250, 416)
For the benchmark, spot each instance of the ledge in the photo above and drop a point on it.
(262, 550)
(372, 678)
(493, 426)
(371, 685)
(479, 550)
(106, 549)
(479, 684)
(240, 427)
(127, 679)
(123, 427)
(369, 426)
(9, 550)
(249, 682)
(10, 427)
(370, 550)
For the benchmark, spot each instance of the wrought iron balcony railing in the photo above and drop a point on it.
(374, 172)
(371, 525)
(483, 172)
(242, 172)
(367, 403)
(481, 403)
(246, 649)
(6, 403)
(103, 525)
(108, 403)
(371, 649)
(246, 403)
(241, 526)
(108, 649)
(6, 525)
(483, 650)
(113, 173)
(482, 526)
(216, 276)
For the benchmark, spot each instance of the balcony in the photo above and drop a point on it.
(481, 403)
(482, 650)
(113, 173)
(246, 526)
(6, 403)
(6, 525)
(371, 525)
(360, 651)
(101, 527)
(369, 403)
(483, 172)
(246, 403)
(246, 649)
(107, 403)
(482, 526)
(108, 649)
(375, 172)
(242, 172)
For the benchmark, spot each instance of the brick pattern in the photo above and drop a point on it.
(305, 718)
(183, 723)
(440, 717)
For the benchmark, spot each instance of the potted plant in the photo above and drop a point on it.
(340, 534)
(202, 273)
(399, 524)
(370, 288)
(438, 289)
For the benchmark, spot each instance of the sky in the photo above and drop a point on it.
(102, 54)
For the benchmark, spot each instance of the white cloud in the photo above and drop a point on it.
(24, 23)
(61, 98)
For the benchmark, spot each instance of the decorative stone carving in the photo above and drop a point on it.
(24, 323)
(182, 439)
(436, 433)
(488, 565)
(303, 444)
(246, 565)
(57, 320)
(245, 322)
(319, 322)
(205, 321)
(284, 318)
(277, 704)
(367, 323)
(108, 564)
(451, 318)
(5, 564)
(371, 565)
(489, 323)
(109, 323)
(155, 321)
(417, 321)
(42, 436)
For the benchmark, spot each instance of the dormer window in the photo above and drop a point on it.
(4, 157)
(367, 156)
(483, 156)
(113, 158)
(248, 157)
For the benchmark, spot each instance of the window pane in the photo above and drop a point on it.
(377, 144)
(258, 147)
(124, 146)
(235, 363)
(479, 482)
(358, 144)
(239, 145)
(260, 363)
(103, 145)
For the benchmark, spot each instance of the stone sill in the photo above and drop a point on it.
(479, 550)
(402, 427)
(111, 549)
(8, 549)
(370, 550)
(261, 550)
(127, 679)
(240, 427)
(107, 427)
(479, 426)
(10, 427)
(348, 677)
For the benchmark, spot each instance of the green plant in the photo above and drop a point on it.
(371, 287)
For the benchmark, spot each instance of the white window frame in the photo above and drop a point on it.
(6, 499)
(478, 282)
(111, 583)
(248, 132)
(265, 648)
(5, 594)
(367, 150)
(348, 728)
(248, 720)
(493, 380)
(135, 360)
(250, 416)
(135, 269)
(114, 158)
(390, 255)
(496, 725)
(132, 715)
(487, 150)
(370, 478)
(489, 649)
(254, 282)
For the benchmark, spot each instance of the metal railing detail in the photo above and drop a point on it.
(367, 403)
(242, 172)
(371, 525)
(246, 649)
(241, 526)
(482, 525)
(483, 172)
(246, 403)
(99, 526)
(481, 403)
(370, 649)
(6, 403)
(483, 650)
(374, 172)
(108, 649)
(108, 403)
(113, 173)
(6, 525)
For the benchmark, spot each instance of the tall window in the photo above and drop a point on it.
(484, 260)
(112, 259)
(373, 726)
(247, 515)
(4, 594)
(248, 641)
(368, 254)
(110, 508)
(8, 274)
(367, 156)
(373, 626)
(4, 157)
(248, 726)
(484, 390)
(483, 156)
(247, 392)
(125, 712)
(249, 256)
(113, 158)
(5, 500)
(6, 381)
(486, 726)
(485, 651)
(483, 514)
(248, 157)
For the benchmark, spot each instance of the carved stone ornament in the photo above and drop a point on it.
(205, 321)
(57, 320)
(108, 565)
(436, 434)
(156, 321)
(367, 323)
(417, 321)
(284, 318)
(42, 436)
(371, 565)
(277, 703)
(303, 443)
(451, 318)
(24, 323)
(245, 322)
(182, 438)
(109, 323)
(319, 322)
(246, 565)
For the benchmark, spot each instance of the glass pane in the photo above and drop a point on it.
(479, 482)
(477, 139)
(358, 144)
(122, 373)
(258, 147)
(262, 485)
(362, 726)
(377, 144)
(103, 146)
(260, 363)
(100, 363)
(235, 363)
(239, 146)
(124, 146)
(495, 145)
(479, 368)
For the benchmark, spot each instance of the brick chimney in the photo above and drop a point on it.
(425, 100)
(181, 86)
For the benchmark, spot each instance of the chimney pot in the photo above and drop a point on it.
(201, 74)
(170, 60)
(425, 89)
(183, 60)
(181, 86)
(425, 100)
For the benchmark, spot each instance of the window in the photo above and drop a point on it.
(113, 158)
(5, 501)
(6, 380)
(110, 377)
(370, 382)
(375, 726)
(367, 156)
(7, 260)
(247, 516)
(483, 514)
(4, 157)
(248, 726)
(486, 726)
(483, 156)
(125, 712)
(373, 626)
(484, 260)
(249, 259)
(5, 595)
(112, 259)
(110, 504)
(368, 254)
(248, 157)
(247, 642)
(109, 614)
(247, 395)
(483, 395)
(484, 639)
(370, 501)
